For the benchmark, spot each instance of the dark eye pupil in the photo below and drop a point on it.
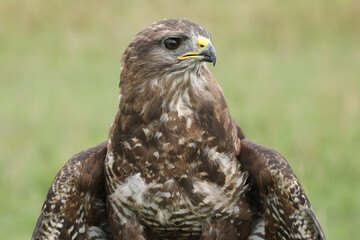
(172, 43)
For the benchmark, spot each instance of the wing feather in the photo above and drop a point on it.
(75, 204)
(277, 194)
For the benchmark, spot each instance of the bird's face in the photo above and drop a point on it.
(190, 50)
(168, 46)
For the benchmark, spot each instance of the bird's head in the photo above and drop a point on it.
(165, 47)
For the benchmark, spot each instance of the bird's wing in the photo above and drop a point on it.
(277, 195)
(75, 204)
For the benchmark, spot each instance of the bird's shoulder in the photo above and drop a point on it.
(277, 194)
(75, 203)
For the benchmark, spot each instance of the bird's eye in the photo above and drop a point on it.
(172, 43)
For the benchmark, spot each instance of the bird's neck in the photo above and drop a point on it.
(183, 104)
(180, 91)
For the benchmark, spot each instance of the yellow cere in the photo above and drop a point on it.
(203, 42)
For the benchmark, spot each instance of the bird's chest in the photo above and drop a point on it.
(174, 147)
(175, 175)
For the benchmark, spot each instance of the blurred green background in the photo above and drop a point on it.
(290, 71)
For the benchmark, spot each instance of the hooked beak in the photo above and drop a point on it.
(207, 51)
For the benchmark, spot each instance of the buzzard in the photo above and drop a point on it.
(176, 165)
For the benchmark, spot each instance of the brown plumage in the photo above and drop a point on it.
(176, 165)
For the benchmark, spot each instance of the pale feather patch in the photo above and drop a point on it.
(258, 231)
(192, 145)
(137, 145)
(123, 220)
(226, 163)
(163, 216)
(156, 155)
(158, 135)
(213, 194)
(126, 145)
(188, 122)
(180, 106)
(110, 159)
(82, 229)
(134, 187)
(164, 118)
(97, 233)
(146, 132)
(198, 82)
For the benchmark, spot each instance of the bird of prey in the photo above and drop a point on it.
(175, 165)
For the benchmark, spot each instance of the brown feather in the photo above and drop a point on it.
(287, 211)
(76, 199)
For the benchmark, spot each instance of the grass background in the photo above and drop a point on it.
(290, 71)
